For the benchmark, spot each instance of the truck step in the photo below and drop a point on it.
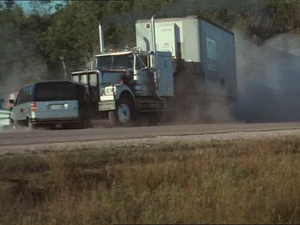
(153, 110)
(150, 105)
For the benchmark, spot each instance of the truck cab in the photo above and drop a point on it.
(128, 67)
(125, 82)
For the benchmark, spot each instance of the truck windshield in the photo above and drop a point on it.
(115, 62)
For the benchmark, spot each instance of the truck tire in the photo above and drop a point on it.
(125, 113)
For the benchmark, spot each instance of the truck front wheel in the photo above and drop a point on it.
(124, 114)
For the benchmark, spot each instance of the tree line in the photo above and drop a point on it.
(44, 44)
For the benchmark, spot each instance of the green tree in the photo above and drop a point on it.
(72, 36)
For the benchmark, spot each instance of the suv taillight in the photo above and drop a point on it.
(33, 106)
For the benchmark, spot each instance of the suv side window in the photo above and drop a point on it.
(26, 95)
(30, 92)
(20, 97)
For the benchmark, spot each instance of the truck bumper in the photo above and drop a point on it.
(107, 105)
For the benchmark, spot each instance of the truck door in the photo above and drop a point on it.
(165, 74)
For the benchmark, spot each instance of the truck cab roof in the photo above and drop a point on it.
(123, 53)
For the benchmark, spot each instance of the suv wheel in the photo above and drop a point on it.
(13, 125)
(29, 124)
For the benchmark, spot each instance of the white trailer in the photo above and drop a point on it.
(206, 48)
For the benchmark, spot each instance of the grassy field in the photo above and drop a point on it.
(216, 182)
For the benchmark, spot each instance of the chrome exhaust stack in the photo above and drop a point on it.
(156, 77)
(101, 37)
(153, 33)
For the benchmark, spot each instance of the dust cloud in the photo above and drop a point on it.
(268, 79)
(220, 109)
(21, 64)
(268, 84)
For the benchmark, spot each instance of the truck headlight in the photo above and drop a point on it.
(109, 90)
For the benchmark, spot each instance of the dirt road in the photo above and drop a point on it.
(25, 140)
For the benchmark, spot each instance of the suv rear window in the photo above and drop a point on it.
(57, 91)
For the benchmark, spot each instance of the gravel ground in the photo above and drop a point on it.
(26, 149)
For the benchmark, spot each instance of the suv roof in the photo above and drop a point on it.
(53, 81)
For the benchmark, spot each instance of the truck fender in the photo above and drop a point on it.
(121, 89)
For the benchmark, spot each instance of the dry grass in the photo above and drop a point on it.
(219, 182)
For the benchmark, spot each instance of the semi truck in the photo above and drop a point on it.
(177, 68)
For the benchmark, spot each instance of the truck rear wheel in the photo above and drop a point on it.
(124, 115)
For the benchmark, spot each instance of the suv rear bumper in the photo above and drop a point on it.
(55, 120)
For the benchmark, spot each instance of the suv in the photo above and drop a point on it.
(52, 103)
